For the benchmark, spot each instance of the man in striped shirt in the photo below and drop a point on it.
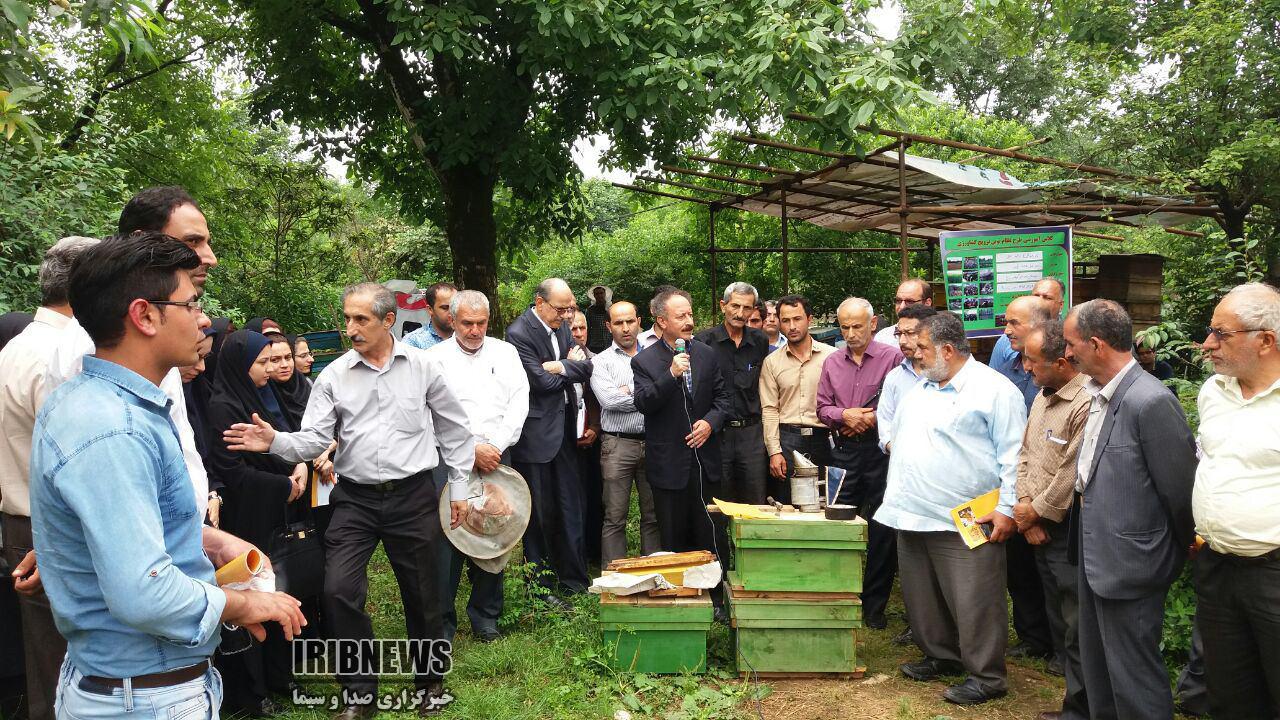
(622, 440)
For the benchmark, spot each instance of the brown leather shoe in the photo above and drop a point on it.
(1049, 715)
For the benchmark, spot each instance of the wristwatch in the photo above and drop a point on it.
(213, 495)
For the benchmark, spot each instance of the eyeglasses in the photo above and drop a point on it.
(908, 333)
(304, 356)
(907, 301)
(196, 305)
(566, 310)
(1226, 334)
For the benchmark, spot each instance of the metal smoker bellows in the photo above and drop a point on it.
(806, 486)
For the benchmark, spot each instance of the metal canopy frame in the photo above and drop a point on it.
(834, 197)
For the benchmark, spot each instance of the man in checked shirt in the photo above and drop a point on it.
(1046, 480)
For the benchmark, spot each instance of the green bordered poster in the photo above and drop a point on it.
(986, 269)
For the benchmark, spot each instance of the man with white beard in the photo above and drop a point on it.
(955, 436)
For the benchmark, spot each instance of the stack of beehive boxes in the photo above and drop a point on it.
(793, 594)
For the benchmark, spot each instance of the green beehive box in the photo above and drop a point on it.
(805, 554)
(656, 635)
(795, 636)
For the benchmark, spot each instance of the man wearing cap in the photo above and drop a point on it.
(486, 376)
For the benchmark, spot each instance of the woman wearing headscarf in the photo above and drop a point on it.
(195, 391)
(293, 387)
(261, 324)
(259, 491)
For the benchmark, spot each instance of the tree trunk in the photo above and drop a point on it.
(472, 233)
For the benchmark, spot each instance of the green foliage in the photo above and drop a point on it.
(44, 197)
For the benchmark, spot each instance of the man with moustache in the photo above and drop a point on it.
(684, 400)
(848, 391)
(1237, 491)
(588, 450)
(622, 439)
(904, 377)
(486, 376)
(741, 352)
(788, 397)
(971, 420)
(1131, 523)
(1046, 484)
(545, 454)
(389, 407)
(1031, 619)
(770, 326)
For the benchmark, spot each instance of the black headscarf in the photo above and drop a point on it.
(232, 386)
(13, 323)
(221, 328)
(196, 394)
(254, 324)
(295, 392)
(257, 485)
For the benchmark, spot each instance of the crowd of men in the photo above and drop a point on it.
(110, 501)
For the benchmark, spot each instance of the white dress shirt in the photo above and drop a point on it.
(68, 358)
(491, 385)
(24, 365)
(386, 420)
(551, 334)
(1102, 395)
(1236, 500)
(613, 385)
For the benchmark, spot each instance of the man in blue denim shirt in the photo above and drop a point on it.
(117, 531)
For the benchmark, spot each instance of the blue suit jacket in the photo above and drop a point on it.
(550, 406)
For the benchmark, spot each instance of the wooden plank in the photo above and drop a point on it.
(676, 592)
(659, 651)
(792, 570)
(693, 558)
(796, 650)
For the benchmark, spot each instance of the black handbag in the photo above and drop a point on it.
(297, 558)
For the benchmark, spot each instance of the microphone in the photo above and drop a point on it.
(680, 348)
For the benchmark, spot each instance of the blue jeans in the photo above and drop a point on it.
(197, 699)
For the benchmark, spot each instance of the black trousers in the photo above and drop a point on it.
(484, 607)
(1240, 625)
(683, 521)
(553, 541)
(592, 501)
(42, 644)
(1061, 587)
(744, 464)
(816, 447)
(1030, 619)
(866, 472)
(406, 520)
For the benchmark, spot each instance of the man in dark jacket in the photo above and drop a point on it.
(685, 403)
(545, 453)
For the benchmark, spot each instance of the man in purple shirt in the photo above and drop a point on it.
(847, 393)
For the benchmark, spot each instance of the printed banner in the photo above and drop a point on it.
(986, 269)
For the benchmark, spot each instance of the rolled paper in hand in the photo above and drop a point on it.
(242, 569)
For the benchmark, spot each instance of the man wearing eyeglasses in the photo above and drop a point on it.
(912, 291)
(1237, 491)
(545, 454)
(1130, 523)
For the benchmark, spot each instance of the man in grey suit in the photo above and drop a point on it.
(1131, 523)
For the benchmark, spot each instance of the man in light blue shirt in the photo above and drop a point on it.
(908, 373)
(1023, 315)
(956, 436)
(121, 549)
(438, 298)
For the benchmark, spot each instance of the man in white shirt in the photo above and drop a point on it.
(912, 291)
(24, 363)
(486, 376)
(1235, 501)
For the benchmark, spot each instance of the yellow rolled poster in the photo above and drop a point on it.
(241, 569)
